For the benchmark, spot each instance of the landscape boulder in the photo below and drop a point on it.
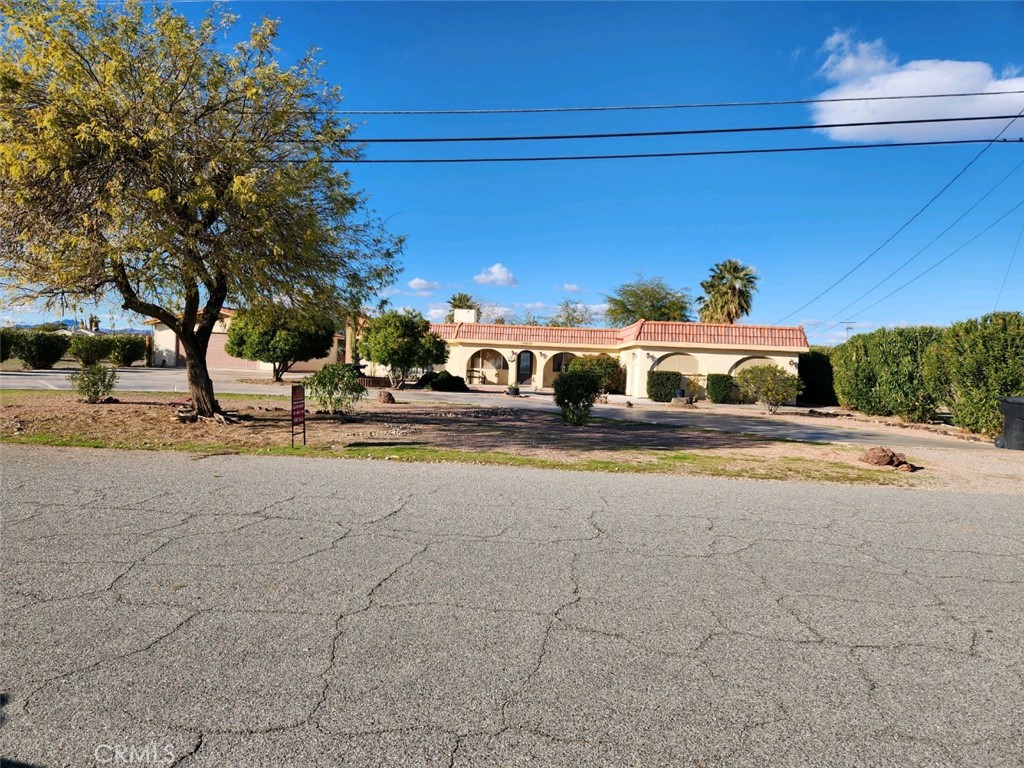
(886, 457)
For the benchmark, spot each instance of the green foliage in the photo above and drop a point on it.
(647, 299)
(94, 382)
(402, 341)
(571, 314)
(662, 385)
(975, 363)
(280, 335)
(721, 388)
(218, 184)
(815, 371)
(424, 381)
(335, 387)
(881, 373)
(39, 351)
(728, 292)
(576, 393)
(89, 350)
(126, 349)
(445, 382)
(8, 341)
(769, 384)
(611, 376)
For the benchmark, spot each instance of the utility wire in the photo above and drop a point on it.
(1008, 268)
(702, 153)
(932, 242)
(697, 105)
(909, 221)
(690, 132)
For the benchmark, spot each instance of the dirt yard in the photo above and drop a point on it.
(503, 435)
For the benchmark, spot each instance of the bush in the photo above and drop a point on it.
(445, 382)
(424, 381)
(94, 382)
(662, 385)
(815, 371)
(89, 350)
(769, 384)
(575, 394)
(40, 351)
(975, 363)
(335, 387)
(881, 373)
(721, 388)
(127, 349)
(611, 375)
(8, 340)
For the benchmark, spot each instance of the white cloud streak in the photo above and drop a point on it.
(867, 68)
(497, 274)
(420, 285)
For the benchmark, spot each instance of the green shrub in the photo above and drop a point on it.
(662, 385)
(612, 376)
(721, 388)
(769, 384)
(424, 381)
(89, 350)
(975, 363)
(881, 373)
(40, 351)
(8, 341)
(815, 371)
(94, 382)
(335, 387)
(445, 382)
(575, 394)
(127, 349)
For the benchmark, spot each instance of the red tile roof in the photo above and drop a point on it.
(644, 331)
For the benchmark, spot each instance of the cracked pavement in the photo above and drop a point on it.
(243, 611)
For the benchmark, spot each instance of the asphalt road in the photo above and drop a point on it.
(243, 611)
(778, 427)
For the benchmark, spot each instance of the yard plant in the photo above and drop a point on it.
(769, 384)
(89, 350)
(94, 382)
(575, 393)
(662, 385)
(721, 388)
(39, 350)
(126, 349)
(335, 387)
(611, 375)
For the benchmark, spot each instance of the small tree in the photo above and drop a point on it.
(571, 314)
(575, 393)
(335, 387)
(611, 375)
(662, 385)
(280, 336)
(402, 341)
(647, 299)
(40, 351)
(770, 385)
(94, 382)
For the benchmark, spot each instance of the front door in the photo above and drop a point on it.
(524, 371)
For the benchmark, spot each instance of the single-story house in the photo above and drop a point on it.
(533, 356)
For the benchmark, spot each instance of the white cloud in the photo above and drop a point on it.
(571, 288)
(437, 313)
(498, 274)
(422, 287)
(860, 68)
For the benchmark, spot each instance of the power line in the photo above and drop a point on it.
(909, 221)
(702, 153)
(696, 105)
(689, 132)
(922, 250)
(1008, 268)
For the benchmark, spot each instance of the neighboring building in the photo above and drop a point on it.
(533, 356)
(168, 352)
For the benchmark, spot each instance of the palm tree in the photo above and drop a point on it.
(460, 301)
(728, 292)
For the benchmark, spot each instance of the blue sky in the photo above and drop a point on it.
(525, 236)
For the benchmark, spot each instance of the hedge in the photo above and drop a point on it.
(8, 339)
(89, 350)
(975, 363)
(721, 388)
(445, 382)
(611, 375)
(39, 351)
(127, 349)
(881, 373)
(815, 371)
(662, 385)
(769, 384)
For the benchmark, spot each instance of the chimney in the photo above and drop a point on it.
(466, 316)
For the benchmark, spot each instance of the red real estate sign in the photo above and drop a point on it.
(298, 411)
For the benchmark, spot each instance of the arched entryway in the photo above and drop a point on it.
(487, 366)
(750, 362)
(556, 364)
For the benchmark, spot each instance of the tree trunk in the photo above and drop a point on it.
(200, 385)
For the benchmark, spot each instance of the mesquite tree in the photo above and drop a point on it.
(143, 161)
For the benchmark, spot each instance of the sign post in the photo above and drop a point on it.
(298, 411)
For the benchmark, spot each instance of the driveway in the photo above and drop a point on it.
(776, 427)
(243, 611)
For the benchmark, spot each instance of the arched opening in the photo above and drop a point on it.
(557, 364)
(487, 366)
(525, 364)
(680, 362)
(750, 362)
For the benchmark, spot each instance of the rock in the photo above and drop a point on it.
(628, 404)
(385, 397)
(880, 457)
